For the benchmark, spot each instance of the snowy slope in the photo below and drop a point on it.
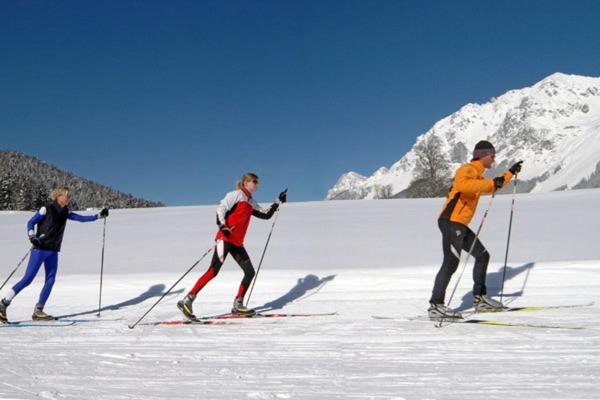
(554, 126)
(358, 258)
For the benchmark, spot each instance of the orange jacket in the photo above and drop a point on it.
(468, 185)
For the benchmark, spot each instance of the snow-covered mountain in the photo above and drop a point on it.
(554, 126)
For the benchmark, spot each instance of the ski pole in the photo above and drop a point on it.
(512, 210)
(171, 288)
(487, 210)
(17, 267)
(261, 258)
(101, 267)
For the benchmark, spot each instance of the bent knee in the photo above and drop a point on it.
(483, 257)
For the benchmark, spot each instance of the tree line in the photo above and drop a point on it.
(26, 183)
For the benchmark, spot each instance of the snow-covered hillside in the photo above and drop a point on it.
(554, 126)
(356, 258)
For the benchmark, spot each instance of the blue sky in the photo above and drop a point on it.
(173, 101)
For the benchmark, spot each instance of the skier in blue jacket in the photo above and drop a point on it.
(46, 242)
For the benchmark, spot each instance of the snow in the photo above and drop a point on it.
(356, 258)
(553, 125)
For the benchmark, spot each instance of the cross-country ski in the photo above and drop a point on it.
(449, 321)
(537, 308)
(213, 319)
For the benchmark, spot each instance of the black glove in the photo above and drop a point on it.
(516, 168)
(283, 196)
(226, 230)
(498, 182)
(35, 241)
(103, 213)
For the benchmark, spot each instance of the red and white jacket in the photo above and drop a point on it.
(235, 211)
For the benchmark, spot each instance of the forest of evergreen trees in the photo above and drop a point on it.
(26, 183)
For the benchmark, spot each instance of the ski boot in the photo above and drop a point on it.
(482, 303)
(240, 309)
(185, 306)
(3, 306)
(40, 315)
(440, 311)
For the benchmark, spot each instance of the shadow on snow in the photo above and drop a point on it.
(494, 284)
(299, 291)
(153, 291)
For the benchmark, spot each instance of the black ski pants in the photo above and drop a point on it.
(455, 238)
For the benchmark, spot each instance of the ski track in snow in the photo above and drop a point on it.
(345, 356)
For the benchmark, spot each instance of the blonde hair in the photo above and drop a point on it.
(60, 190)
(247, 177)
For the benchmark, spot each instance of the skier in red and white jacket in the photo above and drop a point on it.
(233, 218)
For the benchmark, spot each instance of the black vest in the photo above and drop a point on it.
(53, 226)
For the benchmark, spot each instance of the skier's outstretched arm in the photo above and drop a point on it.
(88, 218)
(261, 213)
(467, 181)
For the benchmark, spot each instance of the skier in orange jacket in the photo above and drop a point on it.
(461, 204)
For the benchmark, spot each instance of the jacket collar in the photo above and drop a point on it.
(58, 208)
(478, 165)
(246, 192)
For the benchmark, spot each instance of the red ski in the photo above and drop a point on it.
(219, 319)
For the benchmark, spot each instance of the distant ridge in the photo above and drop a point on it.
(26, 182)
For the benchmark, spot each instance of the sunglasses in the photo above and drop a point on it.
(255, 181)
